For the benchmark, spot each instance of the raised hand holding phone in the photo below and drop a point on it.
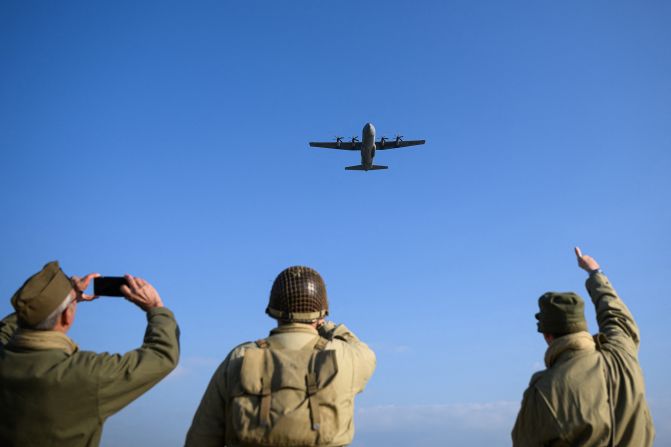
(81, 284)
(141, 293)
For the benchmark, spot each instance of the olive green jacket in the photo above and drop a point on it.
(52, 394)
(212, 422)
(592, 392)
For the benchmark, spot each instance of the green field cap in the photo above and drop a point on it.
(41, 294)
(561, 313)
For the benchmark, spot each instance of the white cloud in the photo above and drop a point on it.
(472, 416)
(400, 349)
(661, 415)
(390, 348)
(189, 365)
(480, 416)
(474, 424)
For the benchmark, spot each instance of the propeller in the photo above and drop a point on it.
(355, 140)
(339, 139)
(399, 137)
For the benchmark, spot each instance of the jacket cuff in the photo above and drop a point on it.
(326, 329)
(595, 280)
(160, 311)
(343, 333)
(598, 285)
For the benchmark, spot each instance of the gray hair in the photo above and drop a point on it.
(48, 323)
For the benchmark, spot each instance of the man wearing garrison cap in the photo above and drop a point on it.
(51, 393)
(592, 392)
(295, 387)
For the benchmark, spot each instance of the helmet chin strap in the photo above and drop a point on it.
(296, 317)
(315, 324)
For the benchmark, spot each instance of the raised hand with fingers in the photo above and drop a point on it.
(585, 262)
(81, 284)
(141, 293)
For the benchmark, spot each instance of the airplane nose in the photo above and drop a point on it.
(369, 127)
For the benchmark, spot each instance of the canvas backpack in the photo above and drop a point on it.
(285, 397)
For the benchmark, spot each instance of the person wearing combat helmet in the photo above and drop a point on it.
(51, 393)
(294, 388)
(592, 392)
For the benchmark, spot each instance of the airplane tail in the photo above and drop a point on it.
(363, 168)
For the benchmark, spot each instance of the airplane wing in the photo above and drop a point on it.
(343, 145)
(393, 144)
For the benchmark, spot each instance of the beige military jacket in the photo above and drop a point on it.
(212, 424)
(53, 394)
(592, 392)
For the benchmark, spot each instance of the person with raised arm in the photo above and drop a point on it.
(297, 386)
(54, 394)
(592, 391)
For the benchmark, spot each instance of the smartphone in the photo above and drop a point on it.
(109, 285)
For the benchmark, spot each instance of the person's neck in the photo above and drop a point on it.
(287, 323)
(60, 328)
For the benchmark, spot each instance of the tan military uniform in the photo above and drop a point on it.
(52, 394)
(592, 392)
(213, 423)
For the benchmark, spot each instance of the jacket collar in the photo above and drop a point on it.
(33, 340)
(294, 327)
(579, 341)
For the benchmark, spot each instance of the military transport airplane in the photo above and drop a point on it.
(367, 147)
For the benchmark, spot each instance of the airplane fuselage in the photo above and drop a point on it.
(367, 146)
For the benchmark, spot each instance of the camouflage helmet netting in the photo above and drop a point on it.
(299, 295)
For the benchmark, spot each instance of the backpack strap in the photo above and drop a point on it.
(314, 406)
(266, 379)
(313, 386)
(321, 344)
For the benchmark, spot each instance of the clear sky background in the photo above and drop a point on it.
(169, 140)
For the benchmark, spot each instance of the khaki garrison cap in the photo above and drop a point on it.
(561, 313)
(41, 294)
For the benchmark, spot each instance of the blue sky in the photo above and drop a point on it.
(169, 140)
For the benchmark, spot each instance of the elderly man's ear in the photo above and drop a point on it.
(66, 319)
